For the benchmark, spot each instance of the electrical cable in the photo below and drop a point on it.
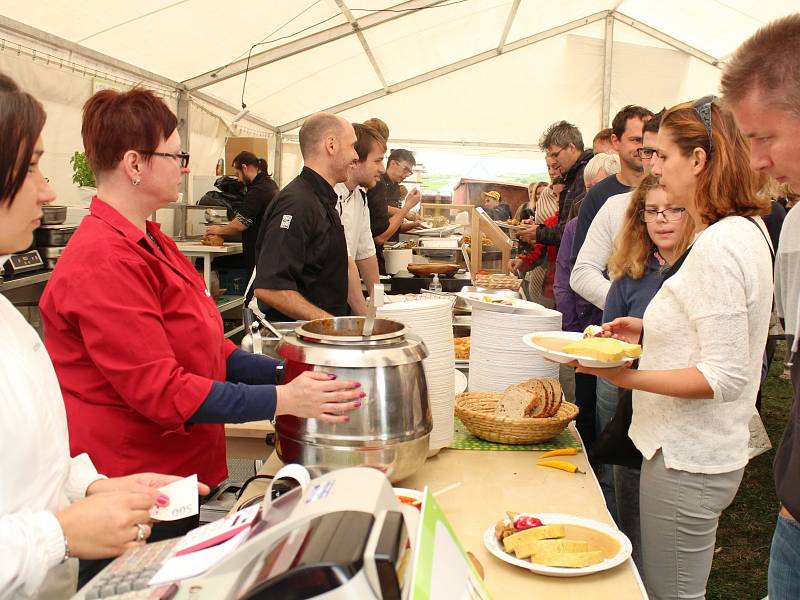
(291, 35)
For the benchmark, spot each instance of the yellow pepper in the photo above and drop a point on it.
(560, 452)
(560, 464)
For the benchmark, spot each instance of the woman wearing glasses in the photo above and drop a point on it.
(136, 339)
(703, 337)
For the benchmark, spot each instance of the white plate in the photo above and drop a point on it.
(563, 357)
(437, 231)
(496, 548)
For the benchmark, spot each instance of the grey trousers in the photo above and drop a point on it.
(679, 515)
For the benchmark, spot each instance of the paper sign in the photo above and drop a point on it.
(436, 544)
(217, 532)
(183, 500)
(191, 565)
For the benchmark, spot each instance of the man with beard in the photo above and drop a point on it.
(354, 211)
(301, 272)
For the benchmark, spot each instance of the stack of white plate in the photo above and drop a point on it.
(432, 320)
(498, 356)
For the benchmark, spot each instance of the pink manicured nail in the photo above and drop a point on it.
(162, 500)
(357, 404)
(331, 376)
(347, 419)
(362, 395)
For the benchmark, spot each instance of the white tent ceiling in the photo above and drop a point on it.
(474, 72)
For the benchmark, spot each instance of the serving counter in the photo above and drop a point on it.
(494, 482)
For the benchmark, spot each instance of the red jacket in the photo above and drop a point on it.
(136, 341)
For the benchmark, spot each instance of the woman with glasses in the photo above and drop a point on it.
(703, 337)
(650, 239)
(53, 508)
(147, 374)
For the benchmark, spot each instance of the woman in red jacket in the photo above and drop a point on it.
(147, 375)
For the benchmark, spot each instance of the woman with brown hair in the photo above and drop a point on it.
(703, 337)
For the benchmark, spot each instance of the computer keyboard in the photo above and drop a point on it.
(127, 577)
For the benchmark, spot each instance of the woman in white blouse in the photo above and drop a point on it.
(703, 337)
(53, 508)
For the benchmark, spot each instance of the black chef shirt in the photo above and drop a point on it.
(260, 193)
(386, 193)
(302, 247)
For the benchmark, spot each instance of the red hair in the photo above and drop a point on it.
(115, 122)
(726, 186)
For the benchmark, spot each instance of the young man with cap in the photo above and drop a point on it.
(761, 86)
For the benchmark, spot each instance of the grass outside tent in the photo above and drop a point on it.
(745, 530)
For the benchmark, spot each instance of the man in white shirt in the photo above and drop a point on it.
(354, 213)
(588, 278)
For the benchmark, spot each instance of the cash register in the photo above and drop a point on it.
(344, 535)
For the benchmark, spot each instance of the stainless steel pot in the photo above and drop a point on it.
(390, 430)
(53, 215)
(54, 235)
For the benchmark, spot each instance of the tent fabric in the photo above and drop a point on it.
(661, 54)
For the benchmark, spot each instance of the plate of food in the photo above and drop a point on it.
(587, 349)
(409, 496)
(557, 545)
(504, 304)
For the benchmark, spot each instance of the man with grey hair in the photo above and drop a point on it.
(761, 87)
(563, 145)
(302, 267)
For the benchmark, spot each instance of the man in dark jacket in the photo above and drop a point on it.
(563, 145)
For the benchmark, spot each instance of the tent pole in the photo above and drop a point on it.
(607, 66)
(184, 130)
(509, 22)
(363, 40)
(278, 168)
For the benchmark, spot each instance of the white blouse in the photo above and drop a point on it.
(713, 314)
(37, 475)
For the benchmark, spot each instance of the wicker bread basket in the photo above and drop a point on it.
(476, 411)
(497, 282)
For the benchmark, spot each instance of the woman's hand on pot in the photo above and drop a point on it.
(314, 395)
(626, 329)
(105, 525)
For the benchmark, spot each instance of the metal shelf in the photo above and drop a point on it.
(225, 303)
(23, 280)
(234, 331)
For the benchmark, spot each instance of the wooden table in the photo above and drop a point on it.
(494, 482)
(246, 440)
(207, 253)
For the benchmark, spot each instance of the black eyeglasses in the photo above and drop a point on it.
(645, 153)
(703, 108)
(649, 215)
(182, 157)
(554, 155)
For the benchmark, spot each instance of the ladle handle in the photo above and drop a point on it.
(375, 300)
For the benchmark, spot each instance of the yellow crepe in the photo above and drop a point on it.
(526, 549)
(533, 534)
(603, 349)
(572, 560)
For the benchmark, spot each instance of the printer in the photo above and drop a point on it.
(343, 535)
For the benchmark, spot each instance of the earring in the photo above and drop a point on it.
(136, 181)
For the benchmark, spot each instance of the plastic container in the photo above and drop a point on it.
(436, 285)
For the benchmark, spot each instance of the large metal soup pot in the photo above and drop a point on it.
(390, 430)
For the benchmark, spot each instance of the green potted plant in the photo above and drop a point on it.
(82, 176)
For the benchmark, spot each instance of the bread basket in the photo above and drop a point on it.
(497, 281)
(476, 411)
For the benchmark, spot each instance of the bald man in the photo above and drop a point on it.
(301, 267)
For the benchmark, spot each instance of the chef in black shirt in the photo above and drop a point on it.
(301, 267)
(261, 189)
(387, 210)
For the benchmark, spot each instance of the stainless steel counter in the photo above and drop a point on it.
(24, 279)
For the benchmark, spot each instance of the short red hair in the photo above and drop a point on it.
(115, 122)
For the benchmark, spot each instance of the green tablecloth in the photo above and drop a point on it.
(464, 440)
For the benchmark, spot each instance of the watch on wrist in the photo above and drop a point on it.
(67, 555)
